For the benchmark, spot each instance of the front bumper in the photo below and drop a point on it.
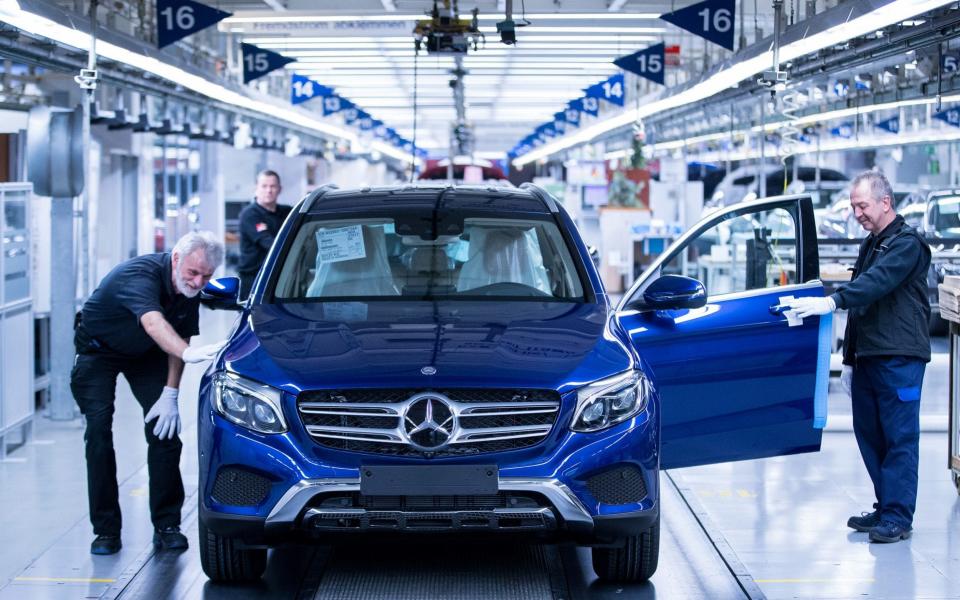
(298, 513)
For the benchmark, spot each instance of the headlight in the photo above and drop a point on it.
(248, 403)
(610, 401)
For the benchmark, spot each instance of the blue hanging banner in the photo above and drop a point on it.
(350, 115)
(610, 90)
(572, 115)
(949, 63)
(844, 130)
(559, 126)
(333, 104)
(257, 62)
(380, 130)
(647, 63)
(950, 116)
(892, 124)
(712, 20)
(547, 130)
(303, 89)
(366, 121)
(176, 19)
(589, 105)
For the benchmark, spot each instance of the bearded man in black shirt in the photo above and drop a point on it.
(138, 322)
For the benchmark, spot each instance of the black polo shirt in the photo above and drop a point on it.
(111, 316)
(258, 227)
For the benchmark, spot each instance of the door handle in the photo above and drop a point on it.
(779, 309)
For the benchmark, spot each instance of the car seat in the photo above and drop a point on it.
(503, 256)
(369, 275)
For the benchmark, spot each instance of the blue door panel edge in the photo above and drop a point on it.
(824, 343)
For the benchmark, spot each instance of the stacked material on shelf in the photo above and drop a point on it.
(949, 292)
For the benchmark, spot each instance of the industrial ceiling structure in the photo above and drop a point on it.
(881, 56)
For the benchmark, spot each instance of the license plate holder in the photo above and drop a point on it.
(429, 480)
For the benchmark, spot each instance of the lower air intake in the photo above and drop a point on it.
(238, 487)
(623, 485)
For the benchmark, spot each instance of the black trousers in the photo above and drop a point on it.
(93, 382)
(246, 283)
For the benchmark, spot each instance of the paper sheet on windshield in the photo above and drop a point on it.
(340, 244)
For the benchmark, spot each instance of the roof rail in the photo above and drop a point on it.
(541, 193)
(310, 199)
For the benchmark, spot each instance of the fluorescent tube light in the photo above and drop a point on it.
(292, 17)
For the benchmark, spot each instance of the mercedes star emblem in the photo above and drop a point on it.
(429, 423)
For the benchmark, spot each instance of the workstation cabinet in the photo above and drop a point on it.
(16, 317)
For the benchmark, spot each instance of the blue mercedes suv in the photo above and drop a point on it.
(420, 360)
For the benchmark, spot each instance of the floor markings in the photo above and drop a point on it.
(867, 580)
(63, 580)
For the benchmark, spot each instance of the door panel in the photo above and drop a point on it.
(737, 378)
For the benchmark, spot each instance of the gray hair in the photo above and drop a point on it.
(879, 185)
(201, 240)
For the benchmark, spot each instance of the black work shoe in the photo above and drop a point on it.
(169, 538)
(865, 522)
(888, 531)
(105, 544)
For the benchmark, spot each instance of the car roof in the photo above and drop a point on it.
(430, 196)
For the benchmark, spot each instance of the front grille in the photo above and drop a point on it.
(239, 487)
(500, 512)
(623, 485)
(469, 421)
(427, 503)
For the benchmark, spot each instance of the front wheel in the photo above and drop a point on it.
(634, 562)
(222, 560)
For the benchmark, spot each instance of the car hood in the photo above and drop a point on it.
(298, 346)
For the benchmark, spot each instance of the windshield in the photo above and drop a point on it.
(427, 257)
(943, 215)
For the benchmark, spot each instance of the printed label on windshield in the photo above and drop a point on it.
(341, 243)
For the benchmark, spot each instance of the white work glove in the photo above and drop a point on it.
(165, 411)
(846, 379)
(811, 307)
(195, 354)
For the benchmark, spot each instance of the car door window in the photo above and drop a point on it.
(748, 251)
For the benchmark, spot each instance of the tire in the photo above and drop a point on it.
(956, 482)
(634, 562)
(223, 561)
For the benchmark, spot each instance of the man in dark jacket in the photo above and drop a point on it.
(885, 351)
(260, 222)
(138, 322)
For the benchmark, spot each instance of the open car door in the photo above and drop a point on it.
(740, 377)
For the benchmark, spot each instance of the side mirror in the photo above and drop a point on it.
(673, 292)
(221, 294)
